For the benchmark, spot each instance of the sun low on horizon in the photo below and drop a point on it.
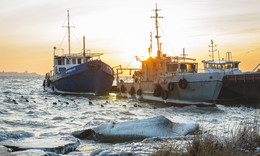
(121, 30)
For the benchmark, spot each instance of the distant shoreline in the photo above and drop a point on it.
(18, 74)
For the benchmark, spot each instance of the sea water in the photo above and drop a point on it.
(26, 109)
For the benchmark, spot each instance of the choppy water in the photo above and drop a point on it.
(25, 107)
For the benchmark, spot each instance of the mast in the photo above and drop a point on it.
(68, 26)
(213, 50)
(150, 49)
(84, 51)
(157, 34)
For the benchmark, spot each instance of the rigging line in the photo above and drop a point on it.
(63, 39)
(127, 67)
(130, 62)
(167, 39)
(78, 40)
(246, 53)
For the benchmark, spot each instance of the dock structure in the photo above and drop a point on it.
(243, 86)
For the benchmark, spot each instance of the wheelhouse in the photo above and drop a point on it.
(220, 65)
(64, 62)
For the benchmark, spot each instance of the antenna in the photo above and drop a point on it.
(157, 34)
(68, 26)
(213, 50)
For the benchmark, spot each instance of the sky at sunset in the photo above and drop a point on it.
(121, 30)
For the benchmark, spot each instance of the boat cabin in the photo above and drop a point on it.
(64, 62)
(153, 68)
(221, 66)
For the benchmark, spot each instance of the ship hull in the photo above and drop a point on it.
(91, 77)
(202, 90)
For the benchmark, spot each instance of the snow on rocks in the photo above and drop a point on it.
(5, 151)
(47, 143)
(152, 127)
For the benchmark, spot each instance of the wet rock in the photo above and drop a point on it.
(90, 103)
(14, 101)
(84, 134)
(135, 105)
(124, 105)
(27, 100)
(54, 103)
(57, 144)
(139, 129)
(67, 103)
(102, 105)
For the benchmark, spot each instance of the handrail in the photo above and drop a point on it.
(255, 68)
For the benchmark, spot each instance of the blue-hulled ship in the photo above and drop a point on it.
(79, 73)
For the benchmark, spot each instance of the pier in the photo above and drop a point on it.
(241, 86)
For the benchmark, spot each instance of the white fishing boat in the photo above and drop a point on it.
(172, 80)
(226, 66)
(237, 85)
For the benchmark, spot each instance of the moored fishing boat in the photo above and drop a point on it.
(172, 80)
(225, 66)
(237, 85)
(79, 73)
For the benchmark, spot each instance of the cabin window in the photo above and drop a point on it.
(62, 69)
(228, 66)
(222, 66)
(183, 68)
(79, 61)
(219, 66)
(190, 68)
(206, 65)
(59, 62)
(73, 61)
(235, 65)
(193, 68)
(172, 67)
(68, 61)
